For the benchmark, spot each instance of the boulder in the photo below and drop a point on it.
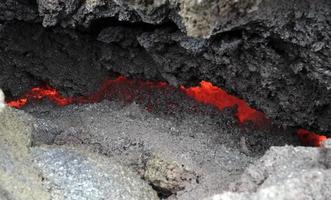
(285, 173)
(18, 179)
(76, 174)
(58, 173)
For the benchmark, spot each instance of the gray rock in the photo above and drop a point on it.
(201, 18)
(18, 10)
(18, 179)
(58, 173)
(325, 153)
(77, 175)
(167, 176)
(81, 13)
(2, 100)
(284, 173)
(179, 153)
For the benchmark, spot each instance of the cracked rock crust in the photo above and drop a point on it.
(274, 54)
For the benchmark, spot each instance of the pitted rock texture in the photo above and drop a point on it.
(274, 54)
(81, 13)
(18, 179)
(19, 10)
(284, 173)
(168, 176)
(59, 173)
(73, 63)
(77, 174)
(189, 151)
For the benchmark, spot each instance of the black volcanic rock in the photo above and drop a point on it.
(274, 54)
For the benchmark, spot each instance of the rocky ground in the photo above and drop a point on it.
(285, 173)
(112, 150)
(274, 54)
(50, 172)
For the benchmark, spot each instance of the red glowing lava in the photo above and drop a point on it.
(39, 93)
(310, 138)
(127, 90)
(208, 94)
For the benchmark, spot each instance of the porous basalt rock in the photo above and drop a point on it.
(19, 10)
(81, 13)
(202, 18)
(167, 176)
(274, 54)
(74, 63)
(283, 173)
(77, 174)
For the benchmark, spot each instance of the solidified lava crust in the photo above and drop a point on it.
(273, 54)
(128, 91)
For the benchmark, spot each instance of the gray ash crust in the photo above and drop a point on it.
(284, 173)
(273, 54)
(196, 142)
(101, 150)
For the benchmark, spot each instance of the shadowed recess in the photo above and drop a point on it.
(127, 89)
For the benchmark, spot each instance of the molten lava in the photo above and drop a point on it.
(127, 90)
(39, 93)
(121, 86)
(208, 94)
(310, 138)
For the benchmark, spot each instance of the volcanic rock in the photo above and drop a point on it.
(283, 173)
(18, 10)
(18, 179)
(186, 153)
(274, 54)
(77, 174)
(2, 100)
(325, 153)
(58, 172)
(167, 176)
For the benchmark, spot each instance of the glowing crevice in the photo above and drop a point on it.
(205, 93)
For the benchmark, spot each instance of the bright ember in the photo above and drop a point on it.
(205, 93)
(310, 138)
(39, 93)
(120, 83)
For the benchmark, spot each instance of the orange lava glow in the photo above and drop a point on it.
(39, 93)
(121, 83)
(310, 138)
(127, 90)
(208, 94)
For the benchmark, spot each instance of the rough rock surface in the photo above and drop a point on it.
(190, 153)
(274, 54)
(77, 174)
(34, 55)
(2, 100)
(178, 147)
(18, 10)
(284, 173)
(59, 173)
(18, 180)
(76, 64)
(134, 137)
(167, 176)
